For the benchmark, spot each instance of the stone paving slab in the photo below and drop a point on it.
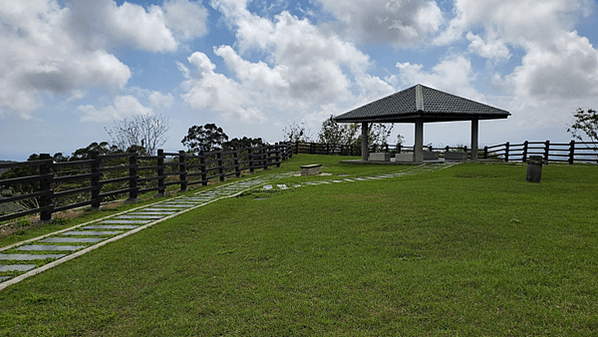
(125, 221)
(92, 233)
(25, 257)
(50, 247)
(349, 180)
(72, 240)
(17, 267)
(282, 186)
(152, 213)
(138, 216)
(2, 278)
(268, 187)
(164, 210)
(177, 205)
(109, 227)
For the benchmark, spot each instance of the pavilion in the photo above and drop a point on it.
(420, 104)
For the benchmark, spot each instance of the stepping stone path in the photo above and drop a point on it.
(82, 238)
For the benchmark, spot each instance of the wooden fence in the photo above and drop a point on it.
(50, 186)
(580, 152)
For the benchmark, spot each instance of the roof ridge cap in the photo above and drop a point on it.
(419, 98)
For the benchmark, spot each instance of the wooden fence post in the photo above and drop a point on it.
(45, 185)
(485, 152)
(133, 176)
(250, 159)
(265, 156)
(182, 171)
(237, 166)
(507, 144)
(220, 165)
(571, 152)
(524, 155)
(202, 168)
(95, 181)
(546, 151)
(277, 154)
(160, 164)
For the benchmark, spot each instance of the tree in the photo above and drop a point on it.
(145, 131)
(242, 143)
(297, 133)
(204, 138)
(586, 122)
(378, 133)
(334, 133)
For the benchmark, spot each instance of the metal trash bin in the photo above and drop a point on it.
(534, 169)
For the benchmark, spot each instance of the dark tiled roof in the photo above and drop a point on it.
(420, 102)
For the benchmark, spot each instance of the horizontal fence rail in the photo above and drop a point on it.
(48, 187)
(572, 152)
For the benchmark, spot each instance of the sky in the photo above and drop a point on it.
(70, 69)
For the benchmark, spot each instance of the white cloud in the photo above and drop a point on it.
(123, 107)
(567, 71)
(104, 24)
(492, 49)
(159, 100)
(210, 90)
(49, 49)
(453, 75)
(302, 66)
(186, 19)
(401, 23)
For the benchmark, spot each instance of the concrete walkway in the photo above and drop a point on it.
(24, 259)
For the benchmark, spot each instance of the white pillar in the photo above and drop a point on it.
(418, 155)
(364, 141)
(474, 139)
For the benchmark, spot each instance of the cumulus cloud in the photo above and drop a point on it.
(453, 75)
(159, 100)
(302, 66)
(122, 107)
(187, 19)
(52, 49)
(492, 49)
(104, 24)
(401, 23)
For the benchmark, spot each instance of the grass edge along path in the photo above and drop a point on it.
(6, 283)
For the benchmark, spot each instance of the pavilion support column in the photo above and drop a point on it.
(475, 124)
(418, 155)
(364, 141)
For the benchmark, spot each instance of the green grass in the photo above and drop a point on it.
(472, 250)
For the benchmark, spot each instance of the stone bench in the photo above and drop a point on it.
(380, 156)
(311, 170)
(404, 157)
(430, 155)
(455, 156)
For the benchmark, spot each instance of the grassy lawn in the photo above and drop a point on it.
(471, 250)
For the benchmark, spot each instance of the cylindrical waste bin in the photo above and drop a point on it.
(534, 169)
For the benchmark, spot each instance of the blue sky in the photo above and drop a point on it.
(69, 69)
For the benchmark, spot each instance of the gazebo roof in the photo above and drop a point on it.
(421, 103)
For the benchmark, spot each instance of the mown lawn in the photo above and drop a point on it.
(471, 250)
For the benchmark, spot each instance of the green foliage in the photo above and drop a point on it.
(297, 133)
(242, 143)
(586, 123)
(204, 138)
(338, 134)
